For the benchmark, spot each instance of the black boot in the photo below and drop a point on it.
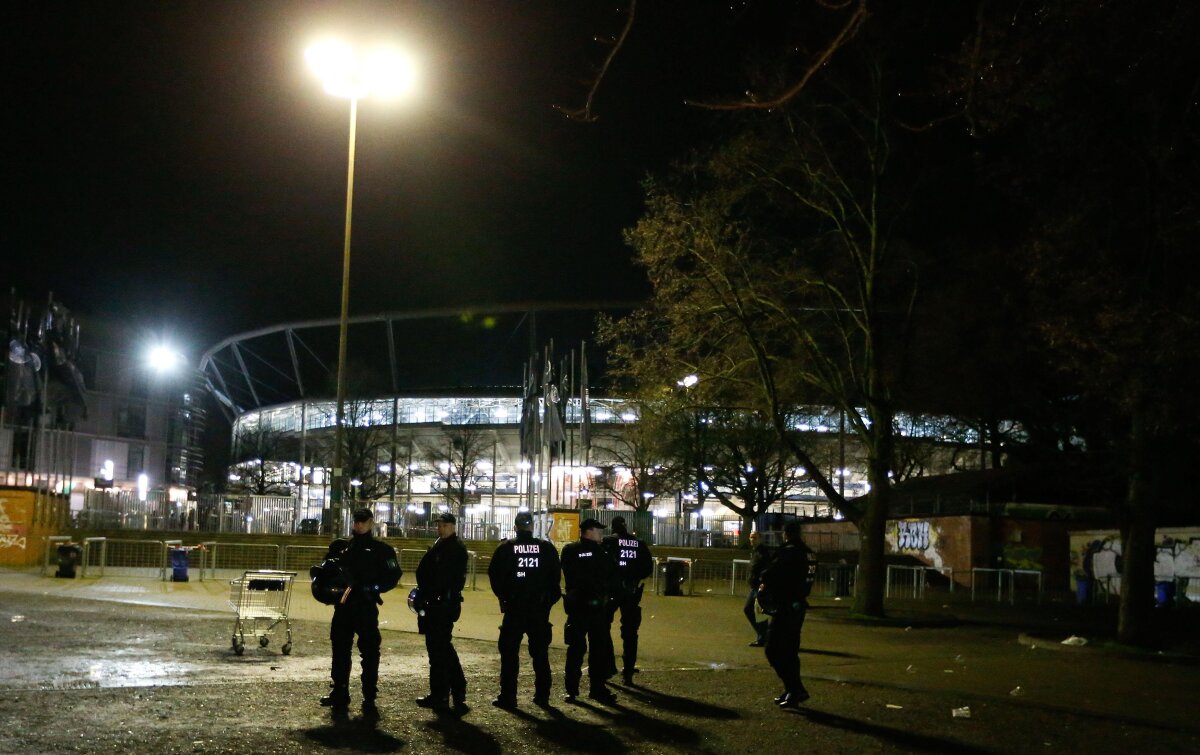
(338, 697)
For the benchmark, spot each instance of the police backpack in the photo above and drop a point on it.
(329, 579)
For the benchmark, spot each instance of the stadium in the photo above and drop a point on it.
(434, 418)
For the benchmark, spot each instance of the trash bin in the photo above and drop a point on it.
(1083, 590)
(178, 559)
(673, 578)
(1164, 594)
(68, 558)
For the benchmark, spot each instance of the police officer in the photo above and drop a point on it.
(634, 564)
(760, 556)
(441, 576)
(524, 574)
(786, 583)
(371, 568)
(591, 580)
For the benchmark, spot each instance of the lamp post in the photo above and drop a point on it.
(344, 73)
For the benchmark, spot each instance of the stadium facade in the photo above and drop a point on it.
(435, 420)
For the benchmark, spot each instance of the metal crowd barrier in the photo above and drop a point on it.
(835, 580)
(237, 557)
(913, 580)
(733, 575)
(1001, 574)
(88, 544)
(299, 558)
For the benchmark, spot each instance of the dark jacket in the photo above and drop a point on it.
(442, 573)
(760, 557)
(525, 573)
(371, 565)
(789, 577)
(634, 562)
(590, 574)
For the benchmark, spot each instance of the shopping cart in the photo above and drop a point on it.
(261, 599)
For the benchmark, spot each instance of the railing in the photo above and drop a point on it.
(999, 577)
(237, 557)
(913, 581)
(100, 543)
(835, 580)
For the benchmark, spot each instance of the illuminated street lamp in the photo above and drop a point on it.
(381, 72)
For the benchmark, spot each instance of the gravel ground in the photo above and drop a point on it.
(98, 676)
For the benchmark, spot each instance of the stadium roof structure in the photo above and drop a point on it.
(448, 351)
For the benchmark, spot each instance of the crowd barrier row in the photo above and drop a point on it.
(672, 575)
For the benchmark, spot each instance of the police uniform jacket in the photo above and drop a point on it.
(442, 572)
(370, 564)
(634, 562)
(590, 574)
(789, 577)
(524, 573)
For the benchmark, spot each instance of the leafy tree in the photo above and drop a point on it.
(1088, 115)
(774, 264)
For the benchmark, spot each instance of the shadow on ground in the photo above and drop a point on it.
(898, 737)
(462, 736)
(570, 734)
(355, 735)
(675, 704)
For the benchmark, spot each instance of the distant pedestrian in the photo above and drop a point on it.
(524, 574)
(590, 575)
(441, 576)
(786, 584)
(760, 556)
(634, 564)
(369, 567)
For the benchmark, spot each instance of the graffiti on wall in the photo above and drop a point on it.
(1177, 556)
(12, 535)
(917, 537)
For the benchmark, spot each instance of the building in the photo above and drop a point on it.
(136, 435)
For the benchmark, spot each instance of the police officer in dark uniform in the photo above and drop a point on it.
(370, 567)
(524, 574)
(786, 583)
(591, 579)
(441, 576)
(760, 556)
(634, 564)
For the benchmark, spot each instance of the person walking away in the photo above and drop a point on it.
(441, 576)
(591, 576)
(786, 584)
(760, 556)
(634, 564)
(524, 574)
(372, 568)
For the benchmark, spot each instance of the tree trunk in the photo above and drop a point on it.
(747, 525)
(1135, 616)
(872, 564)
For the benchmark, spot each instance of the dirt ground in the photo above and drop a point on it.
(80, 675)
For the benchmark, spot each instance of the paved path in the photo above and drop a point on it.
(892, 687)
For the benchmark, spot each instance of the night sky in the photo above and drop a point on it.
(176, 165)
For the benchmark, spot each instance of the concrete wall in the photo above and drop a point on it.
(25, 518)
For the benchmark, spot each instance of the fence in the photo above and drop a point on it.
(984, 581)
(913, 581)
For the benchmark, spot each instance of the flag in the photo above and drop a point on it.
(552, 427)
(529, 412)
(585, 417)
